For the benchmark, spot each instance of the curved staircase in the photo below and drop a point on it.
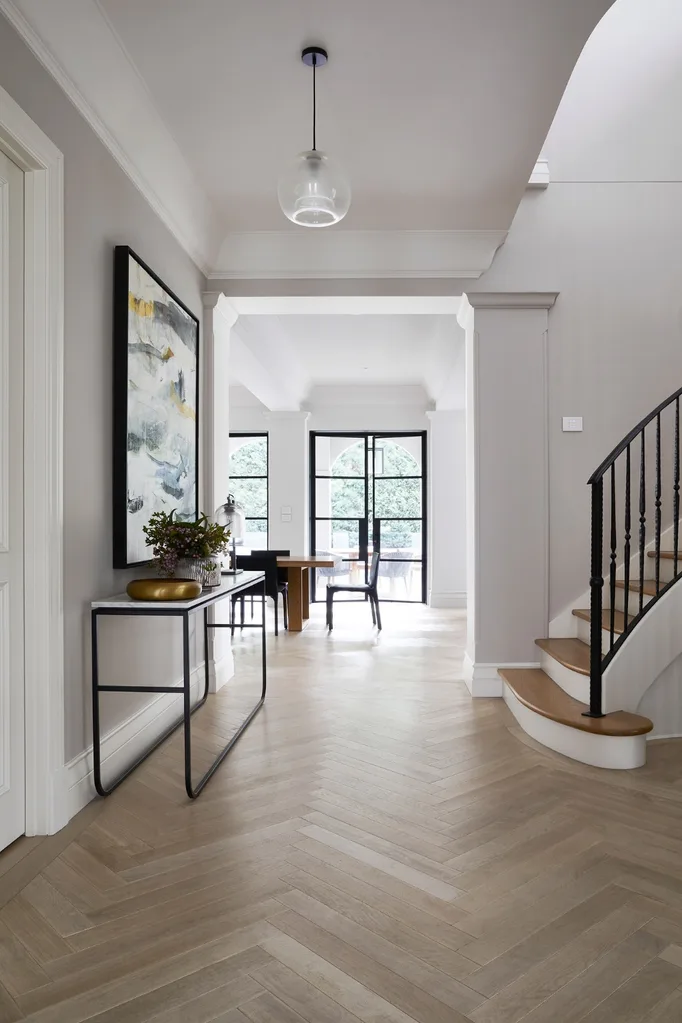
(550, 713)
(562, 703)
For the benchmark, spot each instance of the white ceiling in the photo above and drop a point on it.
(438, 109)
(318, 350)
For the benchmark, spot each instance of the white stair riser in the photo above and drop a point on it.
(572, 682)
(667, 568)
(620, 753)
(584, 634)
(633, 600)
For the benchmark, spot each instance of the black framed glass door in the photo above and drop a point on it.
(368, 492)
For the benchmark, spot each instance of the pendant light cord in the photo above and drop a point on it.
(314, 106)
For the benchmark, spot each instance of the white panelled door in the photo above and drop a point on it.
(12, 772)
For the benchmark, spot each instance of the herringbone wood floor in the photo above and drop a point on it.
(377, 848)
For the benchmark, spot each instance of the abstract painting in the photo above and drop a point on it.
(156, 364)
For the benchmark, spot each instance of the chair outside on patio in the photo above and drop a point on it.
(398, 565)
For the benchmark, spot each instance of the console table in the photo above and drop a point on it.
(123, 605)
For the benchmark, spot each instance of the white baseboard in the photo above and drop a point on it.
(483, 679)
(448, 598)
(120, 747)
(221, 672)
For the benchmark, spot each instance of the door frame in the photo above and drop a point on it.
(43, 166)
(366, 434)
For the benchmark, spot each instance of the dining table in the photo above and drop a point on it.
(298, 577)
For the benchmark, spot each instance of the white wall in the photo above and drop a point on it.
(507, 482)
(605, 235)
(662, 702)
(102, 208)
(288, 481)
(447, 509)
(368, 407)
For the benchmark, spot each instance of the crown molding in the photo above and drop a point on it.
(338, 253)
(94, 69)
(346, 305)
(512, 299)
(216, 301)
(92, 62)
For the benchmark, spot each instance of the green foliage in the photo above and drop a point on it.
(394, 498)
(171, 539)
(251, 460)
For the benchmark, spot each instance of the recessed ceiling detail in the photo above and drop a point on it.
(437, 111)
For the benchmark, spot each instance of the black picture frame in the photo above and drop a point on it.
(122, 540)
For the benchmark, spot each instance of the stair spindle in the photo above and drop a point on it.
(596, 596)
(628, 535)
(642, 518)
(657, 503)
(676, 487)
(612, 559)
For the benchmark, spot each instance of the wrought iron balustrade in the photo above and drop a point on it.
(616, 486)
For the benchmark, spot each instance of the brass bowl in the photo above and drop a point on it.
(163, 589)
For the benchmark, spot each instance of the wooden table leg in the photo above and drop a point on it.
(305, 594)
(295, 579)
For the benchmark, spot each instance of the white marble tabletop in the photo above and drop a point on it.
(228, 585)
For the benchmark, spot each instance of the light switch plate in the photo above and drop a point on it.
(572, 424)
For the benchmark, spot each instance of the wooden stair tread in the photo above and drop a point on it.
(619, 618)
(668, 555)
(572, 653)
(536, 690)
(649, 586)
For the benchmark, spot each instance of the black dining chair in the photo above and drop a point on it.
(282, 573)
(369, 589)
(282, 579)
(267, 563)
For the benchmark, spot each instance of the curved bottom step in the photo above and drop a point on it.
(553, 718)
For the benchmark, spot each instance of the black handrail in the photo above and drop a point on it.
(632, 435)
(601, 620)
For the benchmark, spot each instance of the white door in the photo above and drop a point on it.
(12, 779)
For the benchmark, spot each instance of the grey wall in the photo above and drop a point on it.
(102, 209)
(607, 236)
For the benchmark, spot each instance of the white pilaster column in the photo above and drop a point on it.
(507, 482)
(219, 318)
(447, 508)
(289, 481)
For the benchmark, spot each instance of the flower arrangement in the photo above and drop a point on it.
(172, 539)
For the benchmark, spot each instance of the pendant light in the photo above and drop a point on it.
(314, 191)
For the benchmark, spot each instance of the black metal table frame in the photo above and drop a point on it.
(170, 612)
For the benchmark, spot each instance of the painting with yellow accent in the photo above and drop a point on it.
(161, 380)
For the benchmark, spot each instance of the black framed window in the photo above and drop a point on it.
(249, 484)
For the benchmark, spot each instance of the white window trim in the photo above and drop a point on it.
(24, 142)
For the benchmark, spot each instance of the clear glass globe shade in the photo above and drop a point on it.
(314, 191)
(231, 514)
